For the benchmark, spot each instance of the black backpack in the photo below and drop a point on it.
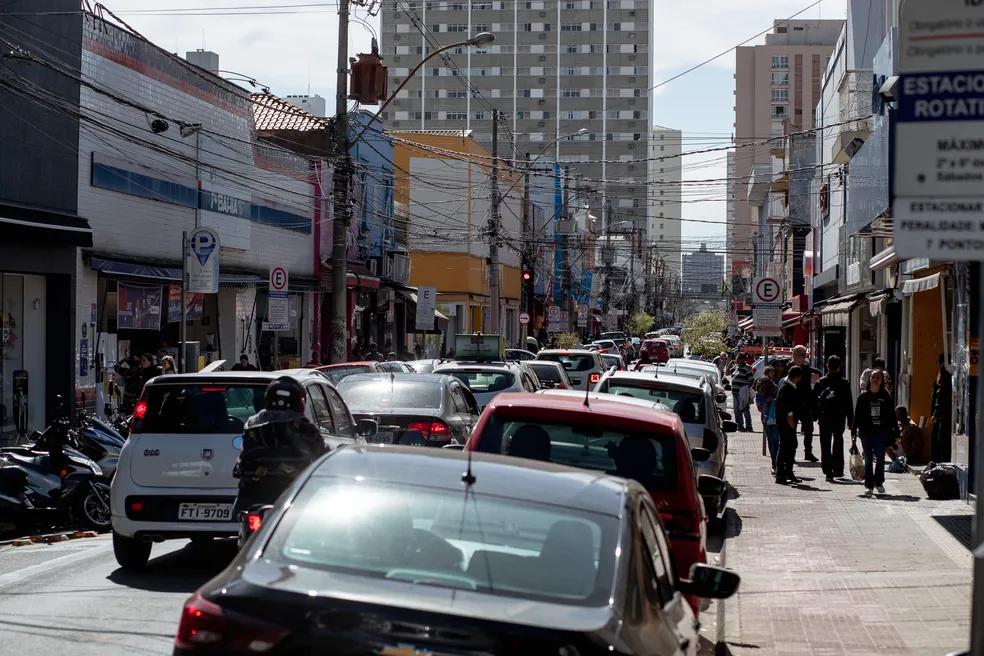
(830, 404)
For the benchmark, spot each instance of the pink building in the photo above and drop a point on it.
(773, 82)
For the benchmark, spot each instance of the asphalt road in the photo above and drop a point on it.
(71, 597)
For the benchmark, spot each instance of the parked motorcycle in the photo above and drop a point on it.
(50, 481)
(102, 444)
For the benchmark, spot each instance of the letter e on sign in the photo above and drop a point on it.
(767, 290)
(278, 279)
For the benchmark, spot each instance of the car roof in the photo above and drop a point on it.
(668, 377)
(502, 476)
(479, 366)
(575, 404)
(264, 377)
(693, 363)
(600, 396)
(568, 351)
(442, 379)
(361, 363)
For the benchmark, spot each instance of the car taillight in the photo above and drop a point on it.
(254, 521)
(434, 430)
(206, 626)
(136, 506)
(139, 412)
(682, 524)
(595, 378)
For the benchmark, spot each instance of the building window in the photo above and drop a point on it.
(572, 93)
(780, 95)
(481, 116)
(780, 61)
(573, 50)
(482, 27)
(779, 111)
(457, 93)
(780, 79)
(570, 27)
(776, 128)
(457, 116)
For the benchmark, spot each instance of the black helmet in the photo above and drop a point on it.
(284, 393)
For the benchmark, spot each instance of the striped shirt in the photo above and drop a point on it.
(742, 377)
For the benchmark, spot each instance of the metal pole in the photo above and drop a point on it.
(494, 291)
(977, 596)
(566, 250)
(529, 253)
(183, 348)
(339, 241)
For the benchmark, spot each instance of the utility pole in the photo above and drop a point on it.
(529, 255)
(339, 240)
(565, 246)
(494, 290)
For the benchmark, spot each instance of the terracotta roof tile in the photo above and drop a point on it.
(271, 113)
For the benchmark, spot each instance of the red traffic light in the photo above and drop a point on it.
(527, 275)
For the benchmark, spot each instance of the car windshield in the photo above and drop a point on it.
(649, 458)
(547, 372)
(386, 393)
(423, 366)
(480, 542)
(570, 361)
(201, 408)
(484, 382)
(688, 405)
(337, 374)
(611, 359)
(395, 367)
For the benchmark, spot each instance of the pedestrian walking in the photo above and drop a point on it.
(765, 398)
(805, 387)
(167, 366)
(877, 426)
(784, 411)
(877, 365)
(373, 353)
(942, 417)
(741, 394)
(721, 362)
(834, 412)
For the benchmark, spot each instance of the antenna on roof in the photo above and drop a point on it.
(587, 393)
(467, 477)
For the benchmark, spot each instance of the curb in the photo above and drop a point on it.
(50, 538)
(723, 617)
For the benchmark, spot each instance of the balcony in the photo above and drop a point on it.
(855, 95)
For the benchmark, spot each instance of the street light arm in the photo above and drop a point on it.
(478, 40)
(529, 166)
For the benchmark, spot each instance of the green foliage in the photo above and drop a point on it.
(640, 323)
(704, 333)
(567, 340)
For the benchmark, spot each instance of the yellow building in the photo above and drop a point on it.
(442, 198)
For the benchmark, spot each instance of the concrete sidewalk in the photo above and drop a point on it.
(826, 571)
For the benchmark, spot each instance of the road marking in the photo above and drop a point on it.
(34, 570)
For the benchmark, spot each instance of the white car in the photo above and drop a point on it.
(174, 478)
(693, 369)
(486, 380)
(675, 344)
(584, 367)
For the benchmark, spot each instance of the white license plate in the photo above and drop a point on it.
(380, 438)
(205, 512)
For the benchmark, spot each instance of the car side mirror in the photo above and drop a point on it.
(710, 582)
(727, 385)
(729, 426)
(454, 447)
(724, 415)
(367, 427)
(699, 454)
(710, 486)
(721, 397)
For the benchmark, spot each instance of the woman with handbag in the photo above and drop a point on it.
(875, 423)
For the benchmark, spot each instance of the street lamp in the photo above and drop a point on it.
(479, 40)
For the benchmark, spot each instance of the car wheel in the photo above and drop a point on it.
(132, 554)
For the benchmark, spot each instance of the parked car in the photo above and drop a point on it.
(584, 367)
(426, 366)
(512, 556)
(415, 409)
(336, 372)
(612, 360)
(657, 349)
(675, 344)
(520, 355)
(610, 437)
(174, 476)
(552, 375)
(487, 380)
(397, 367)
(605, 346)
(693, 401)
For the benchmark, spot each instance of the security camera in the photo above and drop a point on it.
(157, 126)
(889, 90)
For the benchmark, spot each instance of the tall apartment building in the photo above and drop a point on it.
(729, 204)
(665, 195)
(556, 66)
(315, 105)
(774, 82)
(703, 272)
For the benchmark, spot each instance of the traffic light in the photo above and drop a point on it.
(527, 276)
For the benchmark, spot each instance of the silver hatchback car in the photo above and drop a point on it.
(584, 367)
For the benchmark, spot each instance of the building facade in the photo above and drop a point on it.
(555, 68)
(664, 232)
(774, 82)
(703, 273)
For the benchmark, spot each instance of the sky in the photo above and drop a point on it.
(290, 46)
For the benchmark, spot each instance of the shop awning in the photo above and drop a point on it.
(877, 304)
(791, 319)
(120, 269)
(837, 311)
(20, 224)
(910, 287)
(884, 259)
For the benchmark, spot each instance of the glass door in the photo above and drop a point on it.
(11, 351)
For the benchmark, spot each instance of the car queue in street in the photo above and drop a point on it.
(558, 484)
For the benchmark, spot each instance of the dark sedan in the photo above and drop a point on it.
(394, 550)
(417, 409)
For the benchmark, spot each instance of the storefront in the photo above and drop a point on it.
(38, 356)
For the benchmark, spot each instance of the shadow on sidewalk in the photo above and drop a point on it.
(959, 526)
(908, 498)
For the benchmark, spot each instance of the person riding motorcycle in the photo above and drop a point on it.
(278, 443)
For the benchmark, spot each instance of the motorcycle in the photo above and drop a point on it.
(48, 482)
(101, 443)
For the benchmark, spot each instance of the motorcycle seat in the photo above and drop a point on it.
(37, 461)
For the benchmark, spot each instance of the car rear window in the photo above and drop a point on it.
(610, 359)
(204, 408)
(491, 545)
(337, 374)
(688, 405)
(649, 458)
(570, 361)
(483, 382)
(547, 372)
(395, 393)
(652, 343)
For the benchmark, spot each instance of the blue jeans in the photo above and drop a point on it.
(772, 437)
(874, 459)
(743, 416)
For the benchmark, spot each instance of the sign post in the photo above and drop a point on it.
(200, 275)
(766, 318)
(278, 306)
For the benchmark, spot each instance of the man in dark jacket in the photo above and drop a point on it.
(786, 407)
(804, 414)
(834, 410)
(278, 443)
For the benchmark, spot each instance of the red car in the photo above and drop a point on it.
(624, 438)
(336, 372)
(658, 350)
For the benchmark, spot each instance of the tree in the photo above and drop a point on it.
(704, 333)
(567, 340)
(640, 323)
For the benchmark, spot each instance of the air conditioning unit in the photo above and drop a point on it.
(373, 265)
(632, 14)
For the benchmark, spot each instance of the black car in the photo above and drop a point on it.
(396, 550)
(420, 409)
